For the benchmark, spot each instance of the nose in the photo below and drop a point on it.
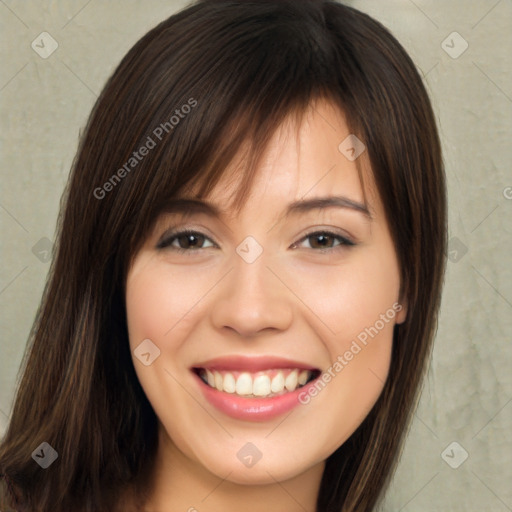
(252, 299)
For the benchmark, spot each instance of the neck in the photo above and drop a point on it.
(182, 484)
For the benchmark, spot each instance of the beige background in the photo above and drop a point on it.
(467, 396)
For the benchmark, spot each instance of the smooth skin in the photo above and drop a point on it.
(305, 298)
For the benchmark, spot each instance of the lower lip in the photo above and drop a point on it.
(252, 409)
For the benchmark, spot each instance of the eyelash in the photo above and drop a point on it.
(166, 242)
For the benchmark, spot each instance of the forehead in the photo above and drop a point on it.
(302, 162)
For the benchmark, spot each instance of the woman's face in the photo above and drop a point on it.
(259, 303)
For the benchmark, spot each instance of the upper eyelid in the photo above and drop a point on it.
(176, 230)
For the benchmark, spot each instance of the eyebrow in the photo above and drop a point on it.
(188, 206)
(320, 203)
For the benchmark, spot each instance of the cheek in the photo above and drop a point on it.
(159, 307)
(370, 305)
(359, 341)
(348, 298)
(159, 304)
(147, 302)
(354, 314)
(163, 306)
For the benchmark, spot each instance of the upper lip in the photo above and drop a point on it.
(251, 363)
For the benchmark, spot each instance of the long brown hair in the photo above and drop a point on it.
(193, 91)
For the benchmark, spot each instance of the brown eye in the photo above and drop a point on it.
(189, 241)
(325, 240)
(321, 241)
(183, 241)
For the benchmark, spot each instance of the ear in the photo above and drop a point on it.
(401, 310)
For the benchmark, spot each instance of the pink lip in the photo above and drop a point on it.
(251, 364)
(251, 409)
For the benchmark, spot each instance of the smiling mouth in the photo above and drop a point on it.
(261, 384)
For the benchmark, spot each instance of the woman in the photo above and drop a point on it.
(247, 277)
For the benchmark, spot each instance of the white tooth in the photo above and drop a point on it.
(210, 378)
(290, 382)
(229, 383)
(277, 384)
(303, 377)
(261, 385)
(244, 384)
(219, 381)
